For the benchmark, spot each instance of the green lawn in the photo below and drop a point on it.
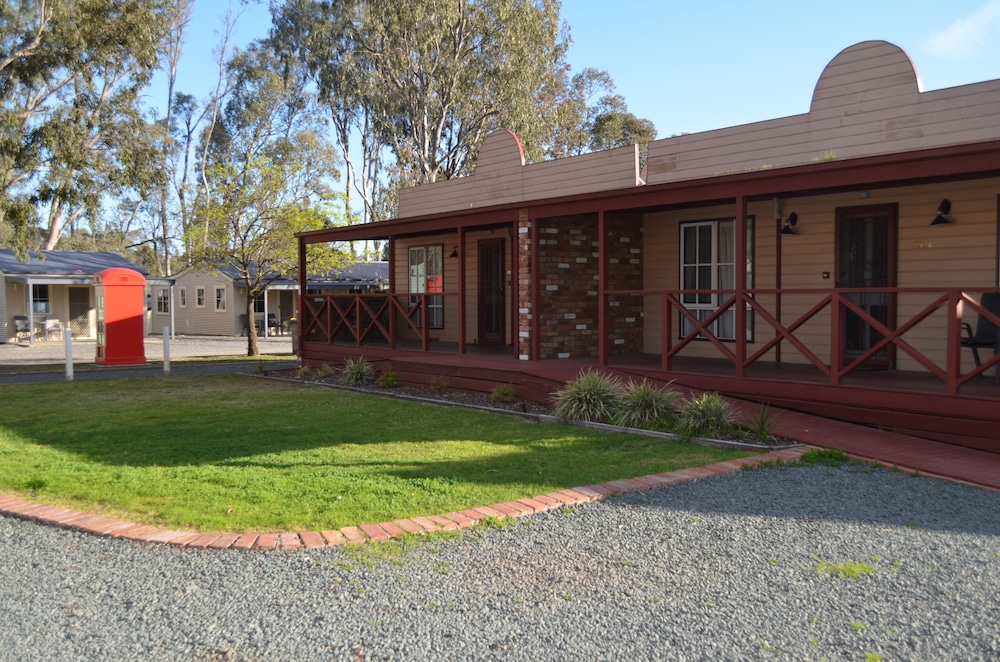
(234, 453)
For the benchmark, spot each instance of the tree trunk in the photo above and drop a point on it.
(252, 348)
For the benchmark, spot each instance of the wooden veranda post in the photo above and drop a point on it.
(740, 332)
(302, 278)
(462, 312)
(602, 286)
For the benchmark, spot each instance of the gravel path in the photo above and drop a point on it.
(722, 568)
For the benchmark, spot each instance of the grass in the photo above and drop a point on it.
(231, 453)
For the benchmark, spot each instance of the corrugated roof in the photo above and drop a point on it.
(59, 263)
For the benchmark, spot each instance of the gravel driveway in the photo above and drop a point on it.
(722, 568)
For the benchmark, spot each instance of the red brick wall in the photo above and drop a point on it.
(566, 314)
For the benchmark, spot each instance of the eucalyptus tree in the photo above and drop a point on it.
(424, 80)
(70, 127)
(270, 174)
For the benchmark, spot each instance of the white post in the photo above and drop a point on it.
(166, 350)
(68, 337)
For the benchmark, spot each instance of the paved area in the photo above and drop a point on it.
(180, 347)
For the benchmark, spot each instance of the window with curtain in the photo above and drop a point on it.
(427, 277)
(40, 304)
(708, 262)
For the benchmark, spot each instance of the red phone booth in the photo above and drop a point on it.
(121, 311)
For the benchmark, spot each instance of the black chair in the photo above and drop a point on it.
(986, 336)
(272, 323)
(245, 328)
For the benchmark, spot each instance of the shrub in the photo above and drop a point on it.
(324, 371)
(644, 404)
(388, 379)
(304, 372)
(357, 372)
(706, 415)
(762, 425)
(437, 383)
(502, 393)
(592, 396)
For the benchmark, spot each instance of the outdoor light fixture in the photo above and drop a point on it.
(790, 222)
(454, 252)
(943, 208)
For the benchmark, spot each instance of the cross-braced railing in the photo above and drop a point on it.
(932, 316)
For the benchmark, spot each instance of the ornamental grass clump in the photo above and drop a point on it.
(706, 415)
(592, 396)
(323, 372)
(357, 372)
(644, 405)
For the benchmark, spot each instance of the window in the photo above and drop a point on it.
(427, 276)
(40, 304)
(199, 297)
(220, 298)
(708, 262)
(258, 304)
(182, 297)
(162, 300)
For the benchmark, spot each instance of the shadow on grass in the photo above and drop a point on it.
(240, 422)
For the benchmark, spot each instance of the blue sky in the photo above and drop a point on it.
(696, 66)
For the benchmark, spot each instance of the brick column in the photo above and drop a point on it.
(524, 284)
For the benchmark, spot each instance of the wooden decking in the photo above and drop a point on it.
(911, 403)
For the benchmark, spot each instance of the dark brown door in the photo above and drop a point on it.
(866, 258)
(491, 292)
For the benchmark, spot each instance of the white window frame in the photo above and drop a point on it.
(720, 272)
(182, 297)
(162, 301)
(422, 281)
(199, 297)
(220, 299)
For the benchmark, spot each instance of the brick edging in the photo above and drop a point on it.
(113, 528)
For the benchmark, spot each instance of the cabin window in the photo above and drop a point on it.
(40, 304)
(220, 299)
(182, 297)
(708, 262)
(199, 297)
(258, 304)
(427, 277)
(162, 300)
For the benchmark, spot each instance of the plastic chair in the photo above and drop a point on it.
(53, 327)
(22, 329)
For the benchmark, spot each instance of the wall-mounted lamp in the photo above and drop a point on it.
(454, 252)
(790, 222)
(943, 209)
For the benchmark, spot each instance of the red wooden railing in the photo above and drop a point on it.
(358, 319)
(838, 302)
